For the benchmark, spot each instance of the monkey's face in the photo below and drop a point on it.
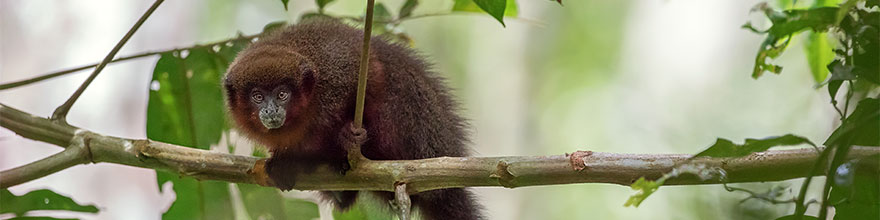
(268, 93)
(271, 105)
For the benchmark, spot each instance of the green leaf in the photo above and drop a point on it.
(197, 199)
(40, 218)
(267, 203)
(284, 2)
(270, 27)
(496, 8)
(301, 209)
(381, 13)
(794, 217)
(839, 73)
(819, 55)
(167, 120)
(361, 211)
(860, 128)
(785, 24)
(228, 52)
(644, 189)
(36, 200)
(856, 191)
(407, 8)
(185, 107)
(726, 148)
(262, 202)
(322, 4)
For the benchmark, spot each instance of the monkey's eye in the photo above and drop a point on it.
(257, 97)
(283, 95)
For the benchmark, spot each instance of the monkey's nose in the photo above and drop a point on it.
(272, 119)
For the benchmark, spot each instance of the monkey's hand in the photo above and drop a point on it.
(350, 136)
(282, 172)
(284, 168)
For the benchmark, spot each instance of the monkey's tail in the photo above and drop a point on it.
(443, 204)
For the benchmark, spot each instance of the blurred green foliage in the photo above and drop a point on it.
(37, 200)
(186, 102)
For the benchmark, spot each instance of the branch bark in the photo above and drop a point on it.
(418, 175)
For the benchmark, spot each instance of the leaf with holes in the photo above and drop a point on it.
(185, 107)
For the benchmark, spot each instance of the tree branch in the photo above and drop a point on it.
(419, 175)
(402, 203)
(69, 157)
(60, 113)
(130, 57)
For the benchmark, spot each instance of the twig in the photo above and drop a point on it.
(60, 113)
(135, 56)
(402, 203)
(70, 156)
(354, 153)
(769, 196)
(800, 206)
(420, 175)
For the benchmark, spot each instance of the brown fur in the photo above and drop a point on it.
(409, 112)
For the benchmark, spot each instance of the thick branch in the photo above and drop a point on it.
(421, 175)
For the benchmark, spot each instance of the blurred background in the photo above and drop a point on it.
(621, 76)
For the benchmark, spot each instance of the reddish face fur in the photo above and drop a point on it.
(268, 70)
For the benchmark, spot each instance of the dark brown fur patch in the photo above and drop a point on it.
(409, 111)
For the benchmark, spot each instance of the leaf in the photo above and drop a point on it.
(795, 217)
(726, 148)
(312, 15)
(270, 27)
(819, 55)
(360, 211)
(301, 209)
(185, 107)
(862, 127)
(839, 73)
(381, 13)
(267, 203)
(42, 199)
(284, 2)
(40, 218)
(197, 199)
(407, 8)
(321, 4)
(166, 116)
(206, 95)
(785, 24)
(644, 189)
(858, 195)
(496, 8)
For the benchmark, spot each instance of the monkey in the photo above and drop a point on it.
(294, 91)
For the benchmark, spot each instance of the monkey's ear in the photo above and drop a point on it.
(308, 81)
